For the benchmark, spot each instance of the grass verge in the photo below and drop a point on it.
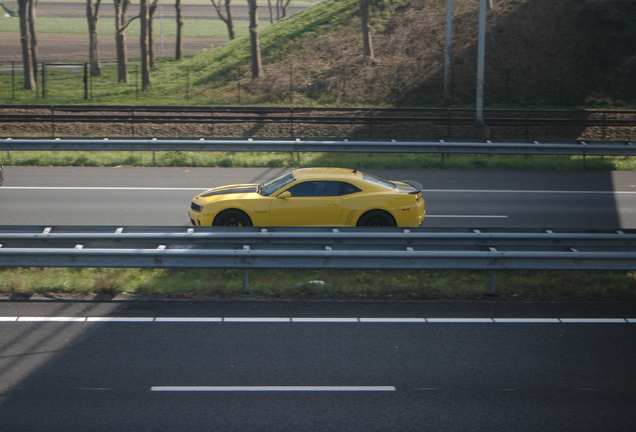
(321, 284)
(284, 160)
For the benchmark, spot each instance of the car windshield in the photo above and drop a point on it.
(266, 189)
(378, 180)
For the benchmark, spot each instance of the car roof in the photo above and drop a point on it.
(335, 173)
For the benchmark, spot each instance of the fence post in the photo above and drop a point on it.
(344, 84)
(85, 81)
(43, 80)
(53, 121)
(12, 80)
(238, 85)
(291, 84)
(187, 82)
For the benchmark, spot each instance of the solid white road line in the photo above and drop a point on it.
(272, 388)
(313, 320)
(428, 216)
(471, 191)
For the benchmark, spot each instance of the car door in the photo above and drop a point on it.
(308, 203)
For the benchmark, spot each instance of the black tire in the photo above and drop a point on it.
(232, 218)
(376, 218)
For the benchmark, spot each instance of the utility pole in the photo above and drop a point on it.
(448, 56)
(480, 130)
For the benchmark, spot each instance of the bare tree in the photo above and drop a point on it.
(121, 24)
(144, 16)
(281, 8)
(179, 45)
(92, 14)
(367, 43)
(26, 12)
(227, 18)
(255, 45)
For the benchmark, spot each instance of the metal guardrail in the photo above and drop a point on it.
(318, 248)
(584, 148)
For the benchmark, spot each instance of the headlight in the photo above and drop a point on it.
(196, 207)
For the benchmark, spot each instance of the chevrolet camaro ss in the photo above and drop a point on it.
(312, 197)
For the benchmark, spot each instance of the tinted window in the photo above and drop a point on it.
(315, 188)
(348, 188)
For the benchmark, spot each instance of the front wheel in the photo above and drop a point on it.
(376, 218)
(232, 218)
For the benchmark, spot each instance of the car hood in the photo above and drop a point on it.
(230, 189)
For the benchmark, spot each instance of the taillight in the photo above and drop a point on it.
(418, 198)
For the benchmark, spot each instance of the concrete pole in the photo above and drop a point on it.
(448, 54)
(481, 59)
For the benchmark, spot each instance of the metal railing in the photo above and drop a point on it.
(535, 147)
(317, 248)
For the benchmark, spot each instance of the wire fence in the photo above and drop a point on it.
(313, 84)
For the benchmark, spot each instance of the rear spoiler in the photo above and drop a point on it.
(418, 187)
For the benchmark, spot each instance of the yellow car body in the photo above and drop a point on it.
(335, 197)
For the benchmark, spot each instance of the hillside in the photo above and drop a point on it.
(539, 53)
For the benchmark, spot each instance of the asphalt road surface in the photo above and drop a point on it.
(317, 366)
(161, 196)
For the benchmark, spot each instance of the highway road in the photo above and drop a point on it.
(125, 196)
(317, 366)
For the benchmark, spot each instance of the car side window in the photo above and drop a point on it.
(348, 188)
(315, 188)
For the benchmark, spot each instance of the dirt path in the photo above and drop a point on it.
(66, 48)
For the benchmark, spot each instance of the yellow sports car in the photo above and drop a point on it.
(313, 197)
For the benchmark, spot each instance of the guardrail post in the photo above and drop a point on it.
(245, 288)
(493, 275)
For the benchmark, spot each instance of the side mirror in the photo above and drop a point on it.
(284, 195)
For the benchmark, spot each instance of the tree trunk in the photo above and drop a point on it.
(92, 14)
(34, 41)
(255, 45)
(179, 46)
(30, 75)
(285, 5)
(144, 16)
(367, 43)
(271, 11)
(151, 40)
(120, 39)
(227, 18)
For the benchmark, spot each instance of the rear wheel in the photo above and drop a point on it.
(376, 218)
(232, 218)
